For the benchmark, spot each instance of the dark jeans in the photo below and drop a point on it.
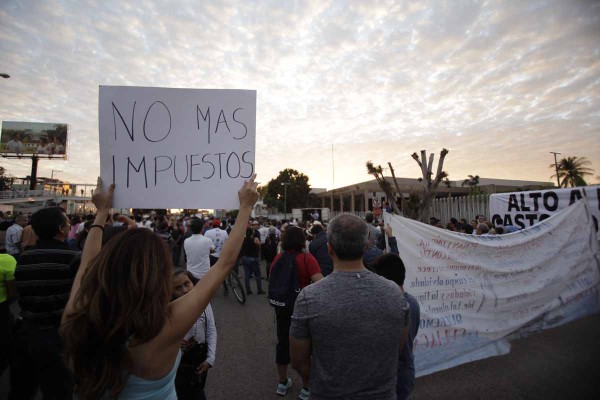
(186, 391)
(406, 381)
(190, 393)
(268, 268)
(251, 266)
(282, 349)
(6, 324)
(36, 362)
(176, 255)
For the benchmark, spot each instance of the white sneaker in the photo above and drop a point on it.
(282, 388)
(304, 394)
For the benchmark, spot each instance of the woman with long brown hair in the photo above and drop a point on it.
(122, 334)
(308, 271)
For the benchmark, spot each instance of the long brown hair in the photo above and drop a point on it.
(122, 300)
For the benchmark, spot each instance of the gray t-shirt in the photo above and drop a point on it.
(355, 321)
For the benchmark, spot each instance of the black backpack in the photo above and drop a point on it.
(284, 284)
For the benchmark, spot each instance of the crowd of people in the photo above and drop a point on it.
(480, 225)
(113, 306)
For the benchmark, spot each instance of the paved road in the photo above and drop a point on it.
(560, 363)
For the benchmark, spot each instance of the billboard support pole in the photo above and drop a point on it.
(34, 165)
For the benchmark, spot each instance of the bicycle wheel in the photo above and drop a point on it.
(236, 287)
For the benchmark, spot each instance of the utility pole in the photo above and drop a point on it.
(556, 166)
(285, 185)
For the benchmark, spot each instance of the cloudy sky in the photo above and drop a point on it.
(498, 83)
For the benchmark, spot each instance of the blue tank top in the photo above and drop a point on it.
(158, 389)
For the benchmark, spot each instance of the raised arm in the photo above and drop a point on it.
(103, 202)
(186, 310)
(391, 240)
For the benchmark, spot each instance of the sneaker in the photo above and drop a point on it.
(282, 388)
(249, 292)
(261, 292)
(304, 394)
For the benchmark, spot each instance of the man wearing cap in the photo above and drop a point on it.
(218, 237)
(318, 248)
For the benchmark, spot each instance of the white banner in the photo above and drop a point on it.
(176, 148)
(476, 292)
(523, 209)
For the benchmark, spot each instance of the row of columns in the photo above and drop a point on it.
(352, 202)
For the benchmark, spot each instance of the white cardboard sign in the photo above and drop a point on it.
(176, 148)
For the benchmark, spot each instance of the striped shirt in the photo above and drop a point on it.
(44, 277)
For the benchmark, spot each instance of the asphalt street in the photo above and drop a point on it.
(561, 363)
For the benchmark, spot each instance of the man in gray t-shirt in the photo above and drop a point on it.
(353, 323)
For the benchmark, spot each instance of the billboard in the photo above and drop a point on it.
(34, 138)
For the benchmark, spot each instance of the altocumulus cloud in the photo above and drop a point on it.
(498, 83)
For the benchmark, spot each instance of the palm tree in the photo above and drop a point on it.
(472, 182)
(572, 170)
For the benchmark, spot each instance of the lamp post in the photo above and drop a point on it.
(52, 178)
(556, 165)
(285, 185)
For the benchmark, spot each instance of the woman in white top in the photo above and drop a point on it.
(199, 345)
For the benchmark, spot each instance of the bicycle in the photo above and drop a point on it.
(233, 281)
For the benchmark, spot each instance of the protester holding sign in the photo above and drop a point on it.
(122, 336)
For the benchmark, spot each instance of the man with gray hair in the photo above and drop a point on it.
(14, 236)
(335, 318)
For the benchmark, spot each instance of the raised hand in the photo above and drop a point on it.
(101, 199)
(203, 367)
(248, 193)
(388, 230)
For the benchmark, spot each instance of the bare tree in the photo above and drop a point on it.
(377, 172)
(430, 186)
(418, 206)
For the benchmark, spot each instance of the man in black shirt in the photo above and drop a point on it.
(43, 277)
(250, 259)
(318, 248)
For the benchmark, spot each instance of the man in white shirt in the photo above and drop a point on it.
(14, 236)
(219, 237)
(264, 232)
(197, 250)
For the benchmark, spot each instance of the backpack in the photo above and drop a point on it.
(284, 283)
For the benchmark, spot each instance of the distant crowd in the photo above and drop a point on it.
(118, 306)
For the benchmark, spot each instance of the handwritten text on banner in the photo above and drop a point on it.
(475, 292)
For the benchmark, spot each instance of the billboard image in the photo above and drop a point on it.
(39, 138)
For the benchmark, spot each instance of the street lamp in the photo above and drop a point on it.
(285, 185)
(53, 171)
(556, 165)
(52, 178)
